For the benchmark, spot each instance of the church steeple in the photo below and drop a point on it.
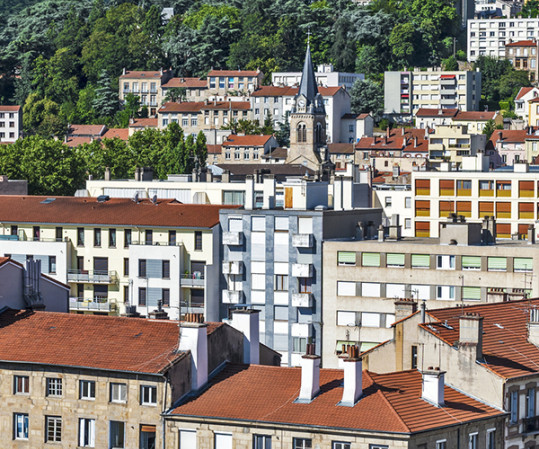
(308, 98)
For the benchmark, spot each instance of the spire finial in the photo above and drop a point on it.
(309, 35)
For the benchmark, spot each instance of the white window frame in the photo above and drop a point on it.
(441, 444)
(473, 439)
(340, 445)
(23, 418)
(189, 443)
(87, 390)
(264, 441)
(491, 433)
(86, 432)
(54, 387)
(148, 395)
(53, 429)
(25, 384)
(302, 443)
(116, 389)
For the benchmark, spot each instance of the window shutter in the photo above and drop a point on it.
(370, 259)
(503, 207)
(473, 262)
(420, 261)
(346, 288)
(395, 259)
(422, 183)
(486, 207)
(471, 293)
(154, 268)
(464, 206)
(525, 207)
(523, 264)
(346, 257)
(497, 263)
(447, 183)
(446, 206)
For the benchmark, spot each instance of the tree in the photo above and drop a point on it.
(42, 116)
(112, 153)
(489, 128)
(105, 102)
(130, 110)
(176, 93)
(283, 133)
(450, 64)
(367, 96)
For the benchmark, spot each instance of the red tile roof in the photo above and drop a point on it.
(9, 108)
(341, 148)
(144, 123)
(436, 112)
(523, 91)
(506, 349)
(528, 43)
(197, 106)
(235, 140)
(274, 91)
(509, 136)
(76, 141)
(115, 211)
(90, 341)
(397, 140)
(213, 149)
(120, 133)
(475, 115)
(3, 260)
(86, 130)
(390, 402)
(142, 74)
(234, 73)
(188, 83)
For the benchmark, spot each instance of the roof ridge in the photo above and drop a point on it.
(387, 401)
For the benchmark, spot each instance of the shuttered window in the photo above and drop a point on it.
(464, 208)
(525, 189)
(422, 229)
(395, 260)
(503, 230)
(447, 187)
(420, 261)
(523, 264)
(370, 289)
(370, 259)
(346, 288)
(486, 208)
(422, 186)
(497, 264)
(422, 208)
(471, 262)
(523, 231)
(471, 293)
(346, 258)
(525, 210)
(446, 206)
(154, 268)
(503, 210)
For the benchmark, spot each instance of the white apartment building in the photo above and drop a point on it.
(325, 77)
(406, 92)
(10, 123)
(487, 37)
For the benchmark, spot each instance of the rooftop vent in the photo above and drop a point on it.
(48, 201)
(103, 198)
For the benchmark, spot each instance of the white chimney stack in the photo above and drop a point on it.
(247, 322)
(194, 338)
(353, 377)
(310, 376)
(433, 386)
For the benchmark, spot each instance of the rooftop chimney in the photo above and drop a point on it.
(194, 338)
(247, 321)
(310, 376)
(404, 307)
(249, 192)
(107, 174)
(533, 327)
(471, 333)
(381, 233)
(353, 377)
(423, 311)
(531, 234)
(433, 386)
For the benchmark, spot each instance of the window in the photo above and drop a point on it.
(346, 258)
(112, 238)
(530, 402)
(53, 425)
(388, 201)
(117, 434)
(281, 282)
(302, 443)
(420, 261)
(441, 444)
(491, 439)
(407, 223)
(118, 392)
(14, 229)
(20, 426)
(497, 264)
(148, 237)
(370, 259)
(408, 202)
(413, 363)
(445, 292)
(141, 296)
(346, 288)
(127, 238)
(165, 297)
(340, 445)
(223, 441)
(54, 387)
(472, 441)
(58, 233)
(471, 262)
(198, 240)
(142, 268)
(87, 389)
(36, 233)
(261, 441)
(97, 237)
(299, 344)
(395, 260)
(305, 285)
(445, 262)
(148, 395)
(21, 385)
(86, 432)
(126, 266)
(165, 265)
(52, 264)
(188, 439)
(172, 238)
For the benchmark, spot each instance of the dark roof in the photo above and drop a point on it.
(275, 169)
(341, 148)
(390, 402)
(276, 153)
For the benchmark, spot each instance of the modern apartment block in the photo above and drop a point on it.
(509, 195)
(118, 252)
(10, 123)
(450, 143)
(408, 91)
(325, 76)
(272, 260)
(364, 279)
(488, 37)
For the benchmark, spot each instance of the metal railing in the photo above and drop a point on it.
(96, 304)
(92, 276)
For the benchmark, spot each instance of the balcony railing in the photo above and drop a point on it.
(302, 300)
(92, 277)
(195, 279)
(97, 304)
(302, 240)
(232, 297)
(232, 238)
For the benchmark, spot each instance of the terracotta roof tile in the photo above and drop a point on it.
(436, 112)
(275, 169)
(248, 140)
(528, 43)
(120, 133)
(506, 349)
(92, 341)
(76, 141)
(234, 73)
(86, 130)
(188, 83)
(399, 139)
(6, 108)
(523, 91)
(142, 74)
(273, 91)
(116, 211)
(390, 402)
(213, 149)
(197, 106)
(341, 148)
(144, 123)
(475, 115)
(508, 135)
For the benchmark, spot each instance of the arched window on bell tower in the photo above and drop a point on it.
(318, 133)
(302, 132)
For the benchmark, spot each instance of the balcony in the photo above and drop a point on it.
(232, 297)
(153, 90)
(449, 102)
(446, 91)
(235, 267)
(302, 300)
(530, 425)
(302, 270)
(92, 277)
(302, 240)
(93, 305)
(448, 82)
(233, 238)
(190, 280)
(303, 330)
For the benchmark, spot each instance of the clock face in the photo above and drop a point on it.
(301, 103)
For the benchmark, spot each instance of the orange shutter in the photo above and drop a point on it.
(464, 206)
(485, 207)
(525, 207)
(422, 204)
(422, 225)
(446, 205)
(525, 185)
(447, 183)
(503, 228)
(503, 207)
(523, 229)
(422, 183)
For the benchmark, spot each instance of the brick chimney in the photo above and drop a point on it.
(471, 333)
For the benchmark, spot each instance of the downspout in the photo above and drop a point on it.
(163, 426)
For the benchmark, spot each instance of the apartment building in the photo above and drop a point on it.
(509, 194)
(325, 76)
(247, 149)
(354, 127)
(233, 82)
(524, 95)
(487, 350)
(204, 116)
(117, 252)
(488, 37)
(310, 407)
(104, 381)
(408, 91)
(146, 85)
(507, 147)
(363, 279)
(277, 102)
(450, 143)
(195, 88)
(272, 260)
(10, 123)
(523, 56)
